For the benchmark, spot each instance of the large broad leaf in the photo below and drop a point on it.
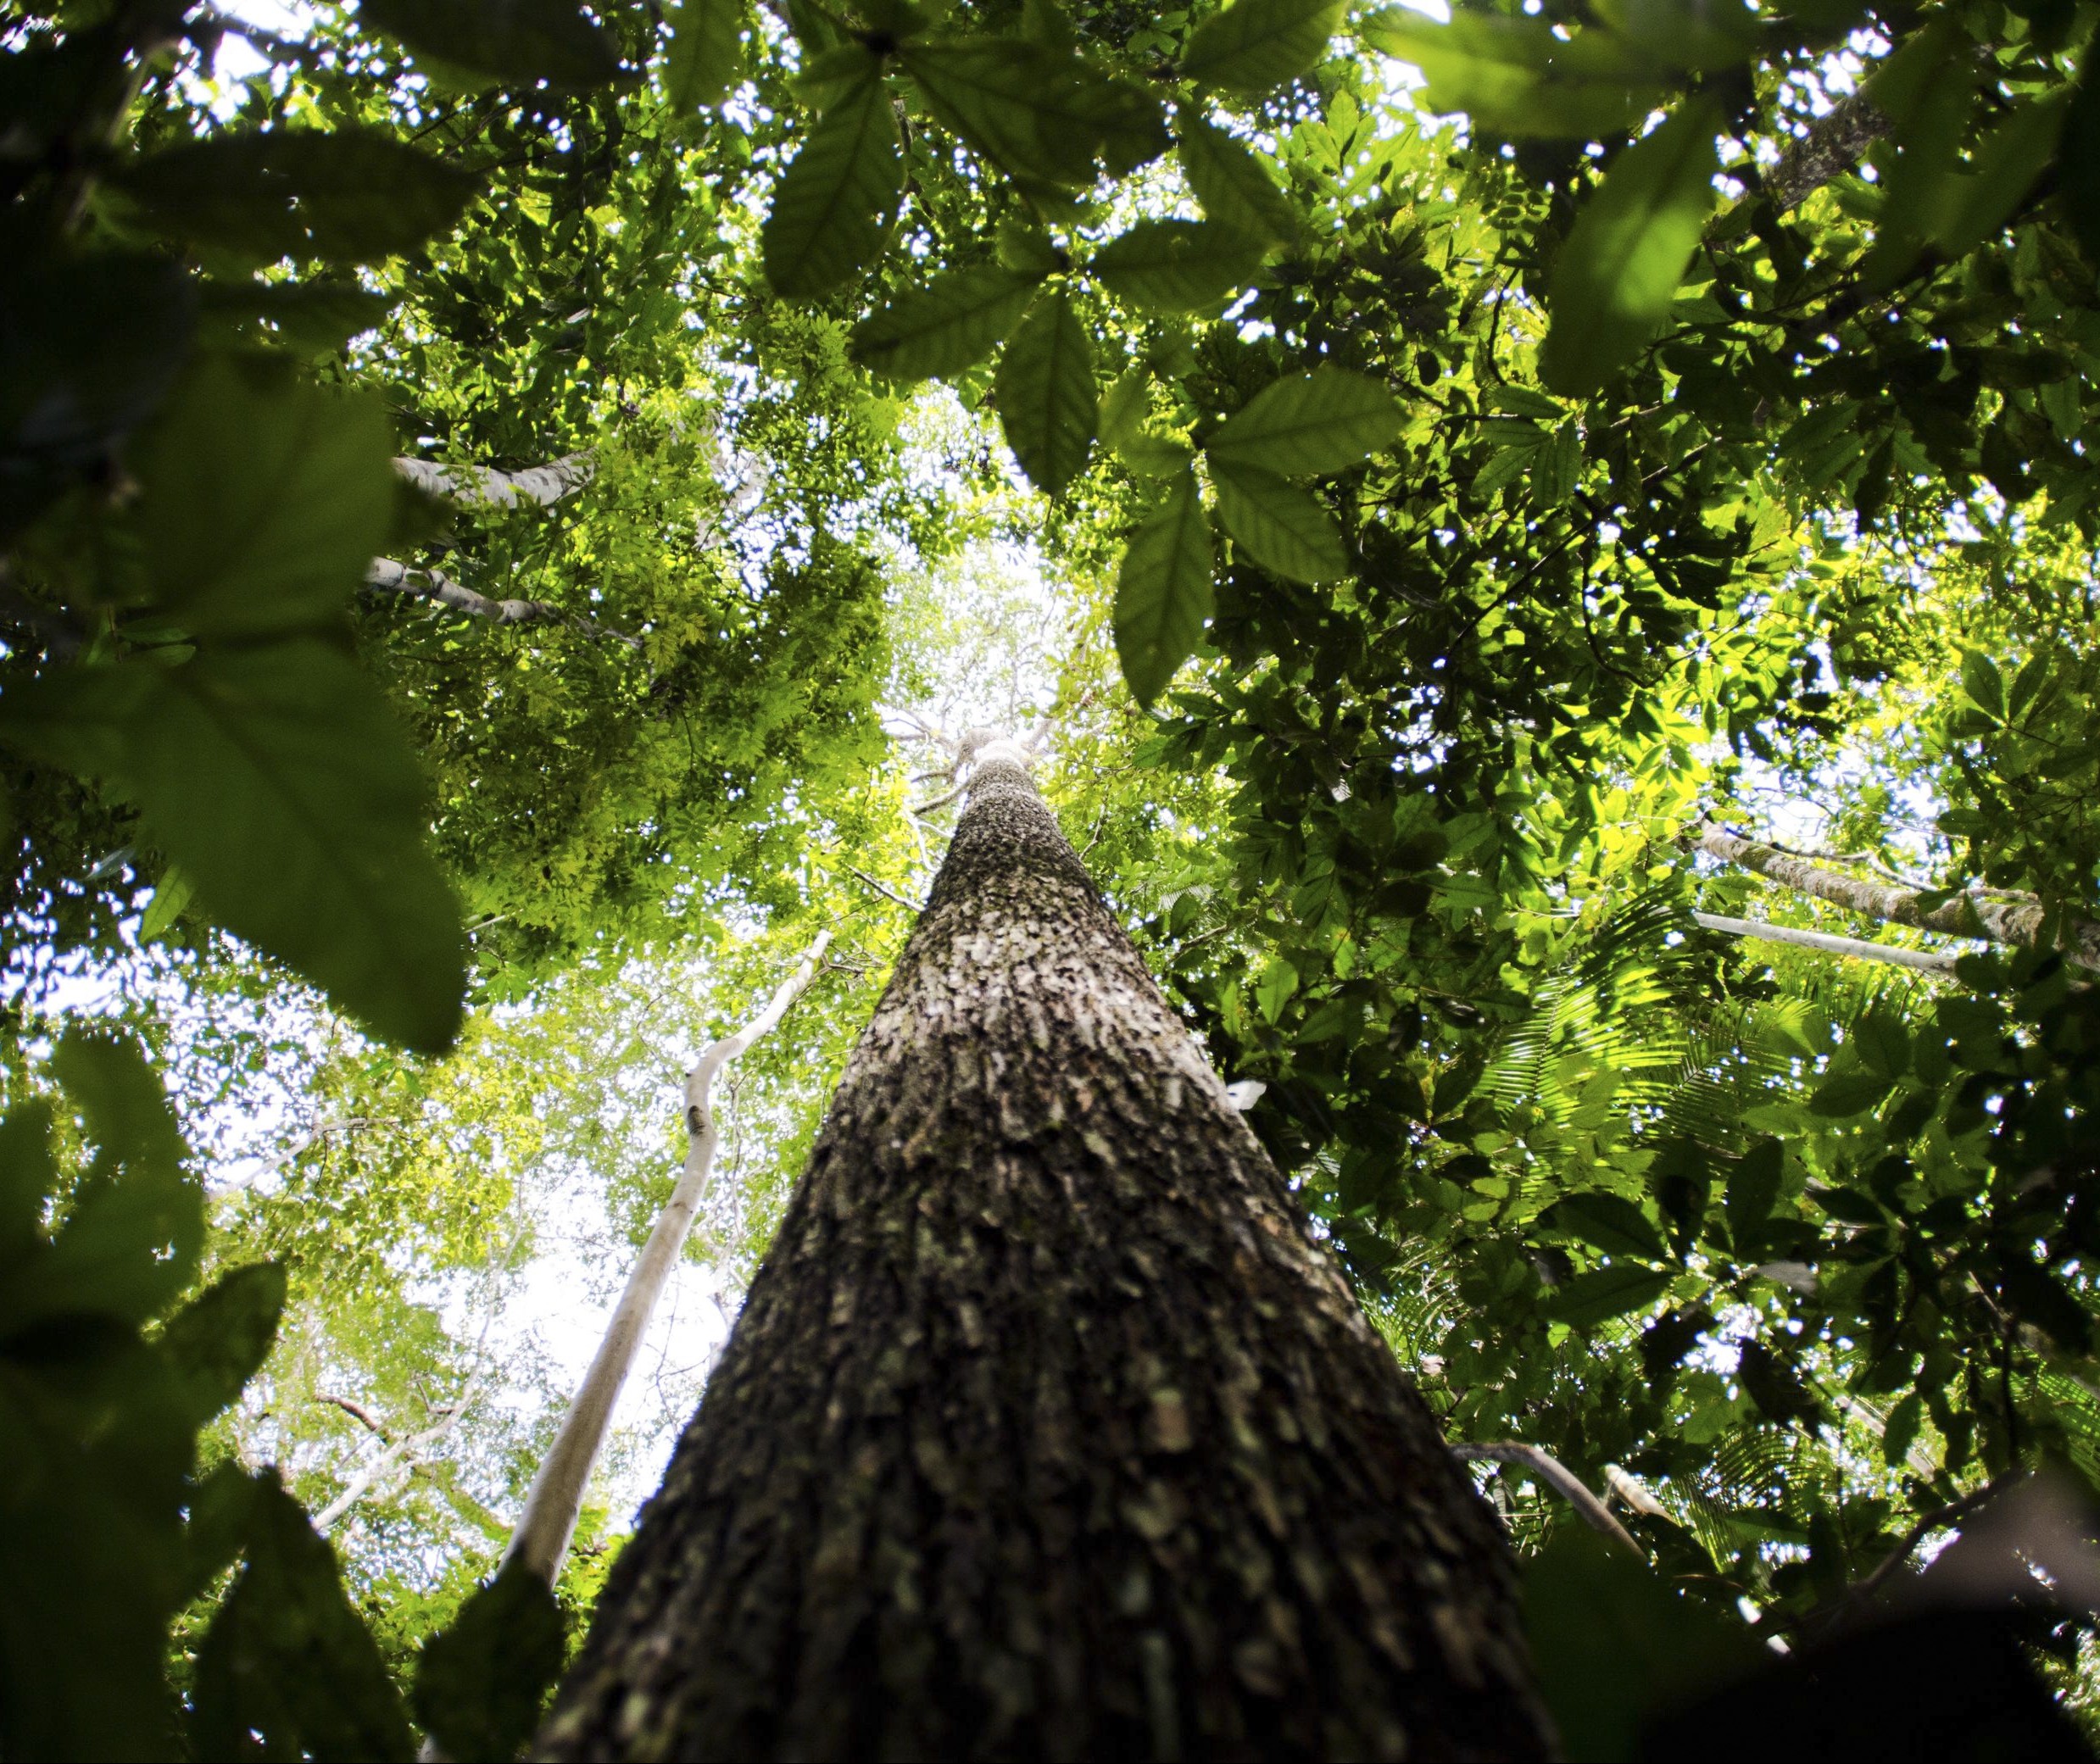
(1306, 425)
(1048, 403)
(1231, 185)
(1609, 1223)
(1178, 266)
(288, 1658)
(833, 203)
(1597, 1297)
(349, 195)
(1619, 271)
(706, 52)
(1037, 115)
(314, 318)
(2078, 161)
(262, 500)
(1515, 76)
(480, 1683)
(219, 1340)
(1281, 527)
(2004, 167)
(1163, 592)
(518, 41)
(950, 324)
(1254, 46)
(275, 775)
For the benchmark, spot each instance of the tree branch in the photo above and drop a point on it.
(556, 1496)
(1834, 143)
(1557, 1476)
(484, 486)
(1987, 921)
(1930, 961)
(386, 576)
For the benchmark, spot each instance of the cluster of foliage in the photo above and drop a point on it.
(1453, 516)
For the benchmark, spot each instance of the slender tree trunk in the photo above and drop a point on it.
(1049, 1429)
(1969, 917)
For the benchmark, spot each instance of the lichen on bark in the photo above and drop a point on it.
(1050, 1428)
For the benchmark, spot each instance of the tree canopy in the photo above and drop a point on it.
(1551, 551)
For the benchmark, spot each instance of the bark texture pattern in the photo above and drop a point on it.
(1048, 1429)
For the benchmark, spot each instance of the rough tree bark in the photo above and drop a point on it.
(1049, 1428)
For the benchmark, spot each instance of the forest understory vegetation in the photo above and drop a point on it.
(1334, 767)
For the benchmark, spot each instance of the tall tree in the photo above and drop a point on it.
(1049, 1425)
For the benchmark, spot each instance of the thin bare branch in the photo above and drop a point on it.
(1556, 1476)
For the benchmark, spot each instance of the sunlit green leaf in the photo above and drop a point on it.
(1163, 592)
(834, 201)
(706, 52)
(1178, 266)
(1254, 46)
(1308, 425)
(1281, 527)
(1048, 400)
(950, 324)
(1231, 184)
(1618, 273)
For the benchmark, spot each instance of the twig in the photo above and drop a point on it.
(1940, 1519)
(1557, 1476)
(909, 906)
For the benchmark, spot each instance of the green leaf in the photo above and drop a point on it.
(1882, 1043)
(706, 52)
(275, 777)
(1178, 266)
(262, 500)
(1232, 184)
(1281, 526)
(1515, 77)
(1619, 271)
(516, 41)
(950, 324)
(29, 1178)
(1163, 592)
(1274, 989)
(1847, 1094)
(1046, 390)
(1983, 683)
(220, 1339)
(349, 195)
(1613, 1642)
(833, 203)
(480, 1682)
(1034, 113)
(172, 895)
(1309, 424)
(313, 318)
(131, 1238)
(1754, 1189)
(288, 1658)
(1254, 46)
(1603, 1294)
(2005, 165)
(1609, 1223)
(2078, 161)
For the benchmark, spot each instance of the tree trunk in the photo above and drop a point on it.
(1049, 1428)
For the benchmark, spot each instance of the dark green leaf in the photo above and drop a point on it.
(1032, 113)
(706, 52)
(833, 203)
(1280, 526)
(349, 195)
(1254, 46)
(2039, 1298)
(275, 777)
(1231, 185)
(1163, 592)
(950, 324)
(219, 1340)
(1178, 266)
(1516, 77)
(2004, 167)
(1754, 1189)
(1609, 1223)
(1619, 271)
(1847, 1094)
(1882, 1043)
(1603, 1294)
(261, 501)
(288, 1658)
(1045, 389)
(516, 41)
(480, 1683)
(2078, 161)
(1773, 1384)
(314, 318)
(1983, 682)
(1613, 1642)
(1307, 425)
(28, 1178)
